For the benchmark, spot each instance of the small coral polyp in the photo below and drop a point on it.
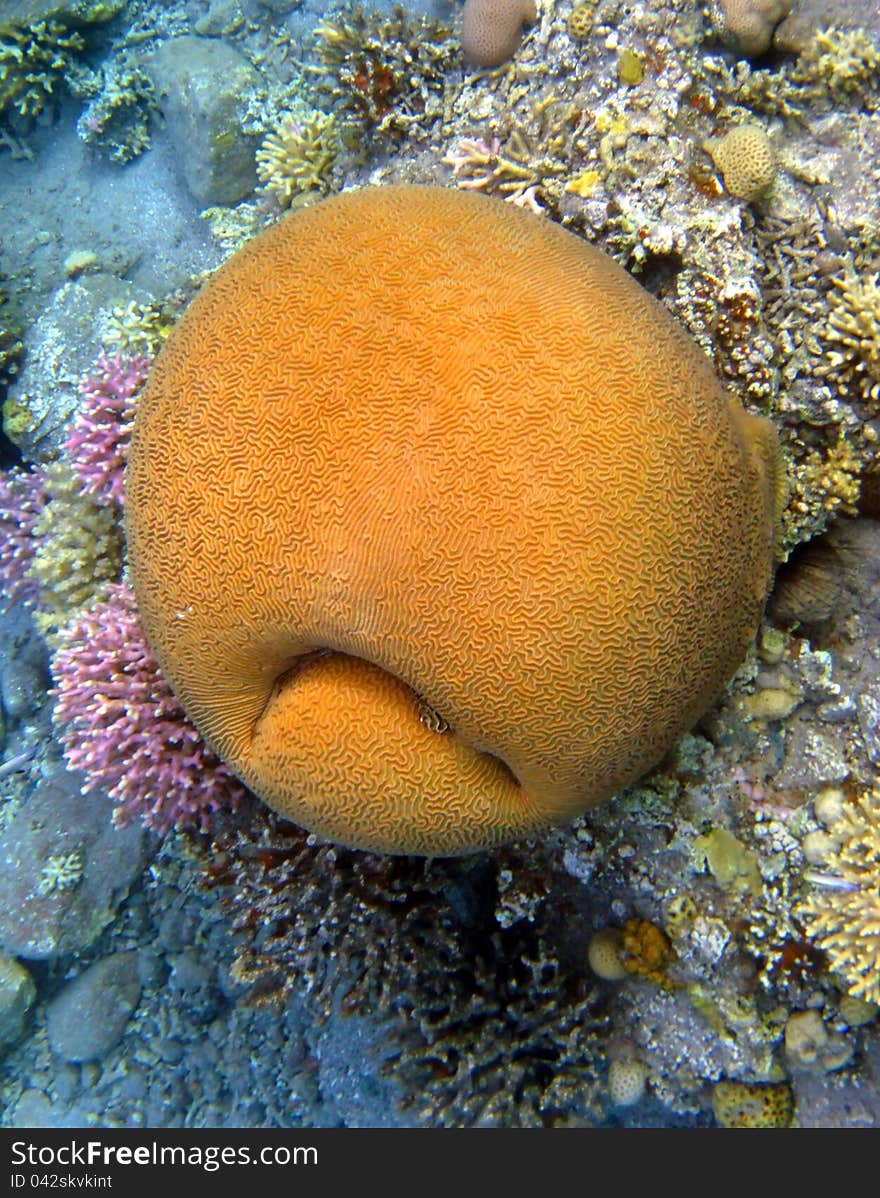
(496, 479)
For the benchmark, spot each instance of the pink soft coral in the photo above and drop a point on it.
(122, 726)
(97, 442)
(22, 495)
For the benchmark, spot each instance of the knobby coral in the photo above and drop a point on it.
(122, 726)
(521, 501)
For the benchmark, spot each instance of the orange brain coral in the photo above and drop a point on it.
(440, 527)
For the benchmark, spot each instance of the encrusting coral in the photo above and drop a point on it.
(567, 605)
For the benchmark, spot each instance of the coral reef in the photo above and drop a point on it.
(309, 728)
(295, 159)
(700, 897)
(121, 725)
(842, 912)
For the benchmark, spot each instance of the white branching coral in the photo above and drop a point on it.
(294, 161)
(478, 165)
(842, 912)
(853, 334)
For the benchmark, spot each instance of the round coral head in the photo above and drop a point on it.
(441, 528)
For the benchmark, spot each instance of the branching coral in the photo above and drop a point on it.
(842, 912)
(117, 119)
(97, 442)
(836, 63)
(527, 169)
(295, 159)
(491, 1028)
(478, 165)
(825, 483)
(32, 60)
(138, 329)
(852, 334)
(22, 496)
(384, 72)
(122, 726)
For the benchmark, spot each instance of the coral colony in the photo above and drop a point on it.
(97, 442)
(122, 726)
(22, 495)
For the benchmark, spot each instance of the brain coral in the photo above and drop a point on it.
(440, 527)
(491, 29)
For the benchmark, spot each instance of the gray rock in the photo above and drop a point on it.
(89, 1016)
(24, 675)
(56, 821)
(200, 83)
(61, 346)
(17, 993)
(869, 721)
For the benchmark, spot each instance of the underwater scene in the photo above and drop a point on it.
(439, 564)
